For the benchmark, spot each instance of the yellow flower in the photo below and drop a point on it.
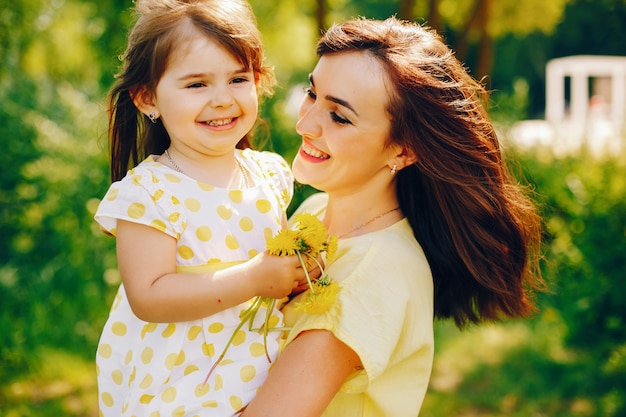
(285, 243)
(320, 299)
(308, 241)
(312, 232)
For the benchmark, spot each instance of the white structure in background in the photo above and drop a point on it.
(594, 114)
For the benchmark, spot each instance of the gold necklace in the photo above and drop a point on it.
(244, 172)
(362, 225)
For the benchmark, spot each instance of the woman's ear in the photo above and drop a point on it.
(402, 159)
(144, 100)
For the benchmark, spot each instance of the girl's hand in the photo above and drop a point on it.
(275, 276)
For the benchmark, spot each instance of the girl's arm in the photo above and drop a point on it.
(147, 263)
(305, 378)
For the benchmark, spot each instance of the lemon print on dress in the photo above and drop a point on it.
(146, 355)
(112, 194)
(246, 224)
(257, 349)
(136, 211)
(159, 225)
(174, 359)
(239, 338)
(107, 399)
(208, 349)
(146, 382)
(105, 350)
(193, 332)
(263, 206)
(148, 328)
(157, 195)
(146, 399)
(169, 395)
(172, 178)
(117, 376)
(118, 328)
(231, 242)
(235, 402)
(192, 204)
(224, 212)
(236, 196)
(191, 368)
(205, 187)
(169, 330)
(129, 357)
(216, 327)
(204, 233)
(185, 252)
(201, 389)
(247, 373)
(179, 411)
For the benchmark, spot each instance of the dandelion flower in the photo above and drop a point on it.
(285, 243)
(320, 299)
(312, 231)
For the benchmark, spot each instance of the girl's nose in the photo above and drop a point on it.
(221, 96)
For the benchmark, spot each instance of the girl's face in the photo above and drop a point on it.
(344, 125)
(206, 98)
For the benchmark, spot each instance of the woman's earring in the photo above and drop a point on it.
(152, 117)
(394, 169)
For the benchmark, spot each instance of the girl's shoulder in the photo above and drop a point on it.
(265, 160)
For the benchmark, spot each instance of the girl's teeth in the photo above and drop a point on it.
(221, 122)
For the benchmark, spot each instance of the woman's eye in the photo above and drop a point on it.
(338, 119)
(310, 93)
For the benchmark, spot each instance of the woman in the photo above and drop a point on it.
(428, 218)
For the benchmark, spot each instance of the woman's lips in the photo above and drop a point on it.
(313, 154)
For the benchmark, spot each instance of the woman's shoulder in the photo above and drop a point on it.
(314, 204)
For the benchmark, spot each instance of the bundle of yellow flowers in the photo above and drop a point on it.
(308, 240)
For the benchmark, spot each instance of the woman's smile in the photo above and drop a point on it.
(311, 153)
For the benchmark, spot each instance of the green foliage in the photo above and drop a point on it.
(58, 271)
(585, 212)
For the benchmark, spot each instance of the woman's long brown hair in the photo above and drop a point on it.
(479, 228)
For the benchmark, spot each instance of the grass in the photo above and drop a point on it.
(515, 369)
(64, 385)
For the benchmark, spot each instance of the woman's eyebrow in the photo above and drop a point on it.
(334, 99)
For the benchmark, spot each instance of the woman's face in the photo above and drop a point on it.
(344, 125)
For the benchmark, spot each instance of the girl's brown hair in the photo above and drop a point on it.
(478, 227)
(162, 27)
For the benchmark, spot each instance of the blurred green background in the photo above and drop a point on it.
(58, 271)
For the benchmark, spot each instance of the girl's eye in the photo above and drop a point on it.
(338, 119)
(310, 93)
(196, 85)
(239, 80)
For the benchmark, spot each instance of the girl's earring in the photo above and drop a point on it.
(152, 117)
(394, 169)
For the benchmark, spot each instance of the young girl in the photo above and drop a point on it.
(190, 219)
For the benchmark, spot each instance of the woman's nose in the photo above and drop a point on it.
(307, 124)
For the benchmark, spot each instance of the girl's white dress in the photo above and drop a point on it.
(157, 369)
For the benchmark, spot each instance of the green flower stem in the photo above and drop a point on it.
(268, 315)
(250, 312)
(306, 273)
(321, 280)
